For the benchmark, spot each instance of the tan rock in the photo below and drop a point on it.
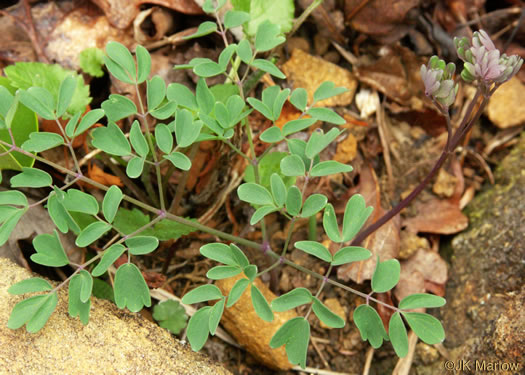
(114, 342)
(250, 331)
(309, 72)
(505, 108)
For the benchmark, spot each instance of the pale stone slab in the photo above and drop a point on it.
(114, 342)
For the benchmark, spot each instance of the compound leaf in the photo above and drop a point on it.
(421, 300)
(33, 311)
(199, 328)
(426, 327)
(91, 233)
(111, 202)
(140, 245)
(315, 248)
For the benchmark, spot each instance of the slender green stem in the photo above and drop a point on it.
(236, 149)
(255, 164)
(99, 255)
(288, 238)
(283, 252)
(304, 16)
(323, 283)
(312, 228)
(144, 120)
(69, 145)
(146, 180)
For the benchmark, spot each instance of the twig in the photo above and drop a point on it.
(404, 364)
(368, 360)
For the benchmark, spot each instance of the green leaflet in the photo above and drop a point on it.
(131, 290)
(33, 311)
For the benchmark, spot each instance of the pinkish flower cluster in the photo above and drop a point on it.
(483, 62)
(438, 81)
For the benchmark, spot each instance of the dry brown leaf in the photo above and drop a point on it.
(288, 113)
(249, 330)
(430, 264)
(121, 13)
(396, 74)
(14, 44)
(97, 174)
(505, 108)
(77, 31)
(437, 216)
(383, 242)
(423, 267)
(157, 19)
(379, 18)
(309, 72)
(328, 17)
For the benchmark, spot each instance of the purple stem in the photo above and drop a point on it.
(463, 128)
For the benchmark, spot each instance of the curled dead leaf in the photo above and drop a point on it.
(437, 216)
(383, 20)
(97, 174)
(121, 13)
(78, 30)
(424, 267)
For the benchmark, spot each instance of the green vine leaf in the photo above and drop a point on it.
(49, 251)
(131, 290)
(170, 315)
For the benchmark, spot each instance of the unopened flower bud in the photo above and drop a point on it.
(438, 81)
